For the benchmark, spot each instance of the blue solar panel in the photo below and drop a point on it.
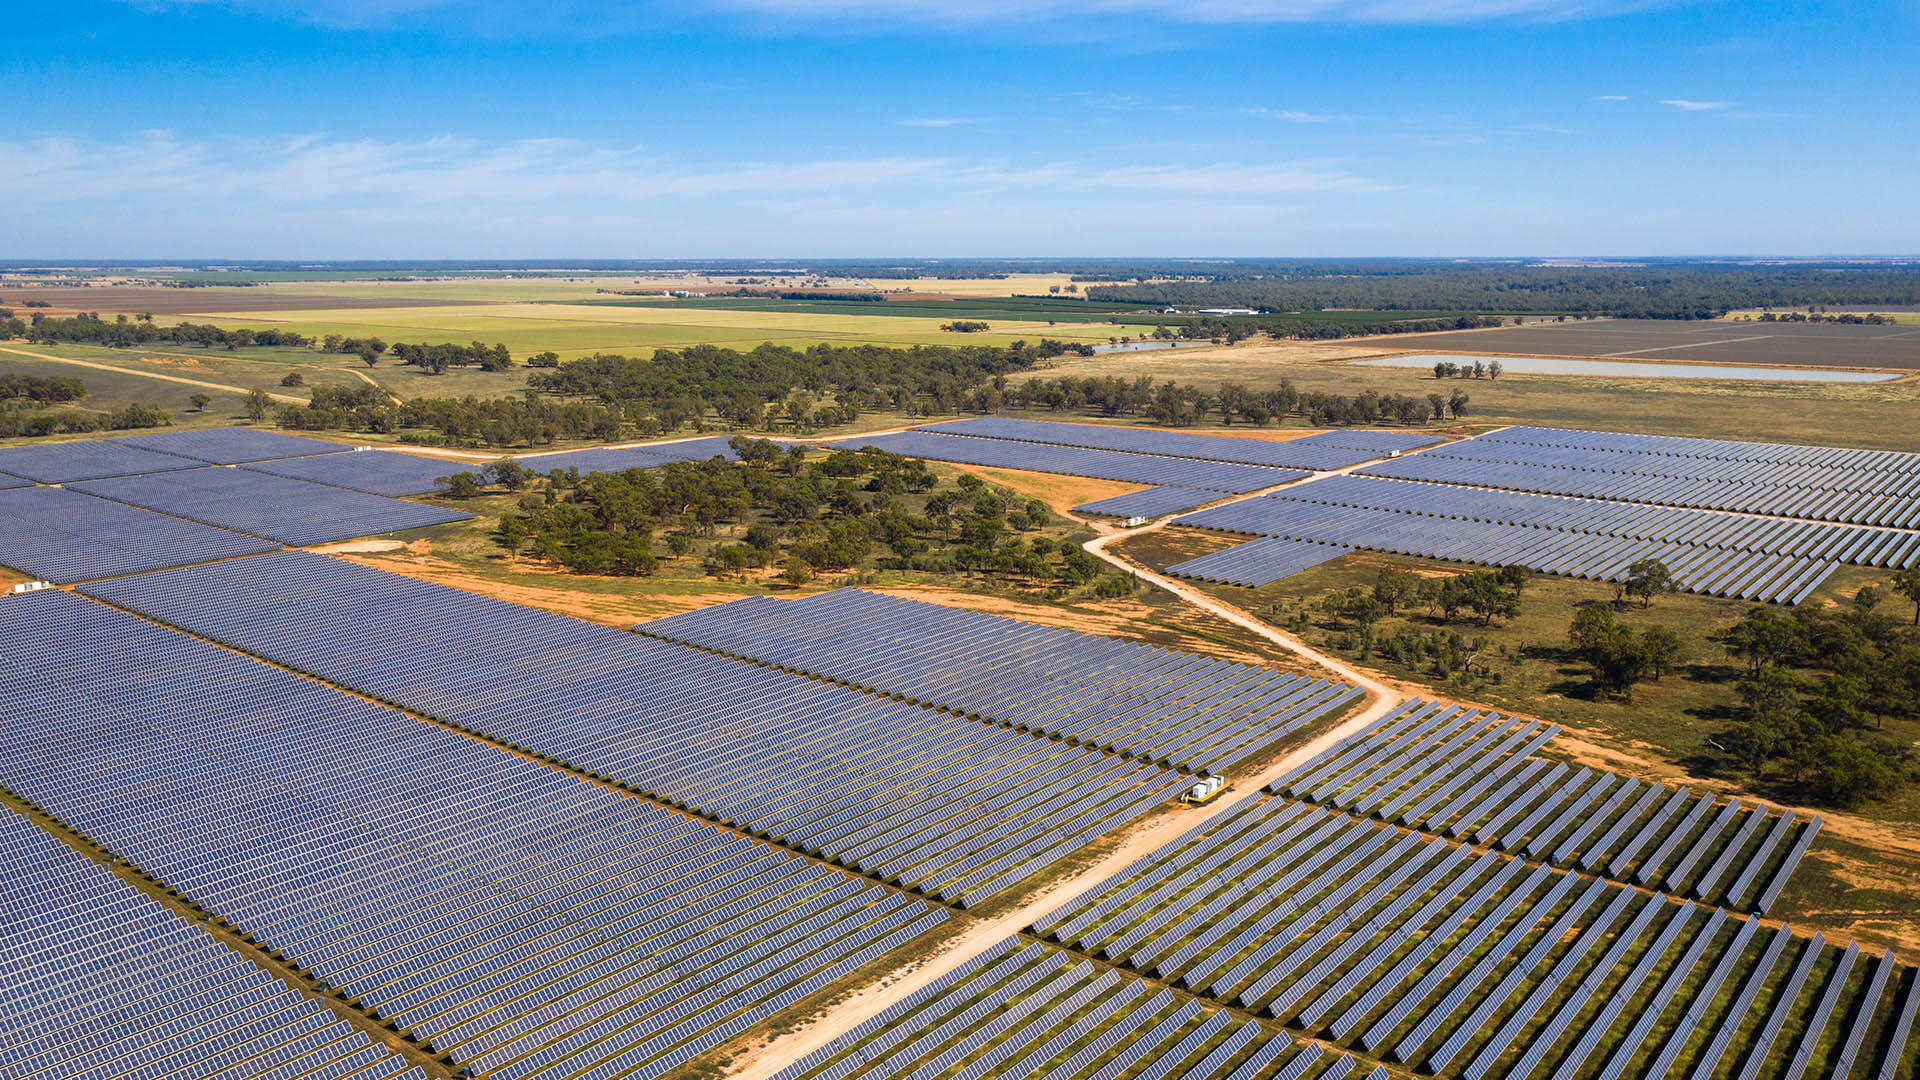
(91, 459)
(275, 507)
(376, 472)
(64, 536)
(494, 909)
(620, 459)
(954, 807)
(1149, 502)
(1285, 453)
(232, 446)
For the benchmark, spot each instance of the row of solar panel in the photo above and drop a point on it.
(1030, 1010)
(954, 808)
(274, 507)
(1148, 703)
(1230, 477)
(1714, 571)
(620, 459)
(512, 917)
(1713, 449)
(1467, 773)
(63, 536)
(95, 459)
(1467, 963)
(1149, 502)
(1311, 452)
(102, 981)
(1809, 503)
(1809, 539)
(1765, 474)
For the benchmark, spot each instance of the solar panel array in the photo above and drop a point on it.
(1029, 1010)
(1832, 457)
(13, 482)
(1810, 539)
(376, 472)
(1767, 576)
(89, 459)
(1149, 502)
(63, 536)
(101, 981)
(1475, 775)
(1474, 964)
(1259, 562)
(1518, 467)
(1379, 442)
(519, 920)
(1226, 476)
(1306, 453)
(954, 808)
(1148, 703)
(274, 507)
(231, 446)
(612, 459)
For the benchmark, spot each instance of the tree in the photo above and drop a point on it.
(1394, 587)
(1495, 367)
(1907, 584)
(258, 401)
(797, 571)
(1663, 650)
(1645, 578)
(461, 485)
(200, 402)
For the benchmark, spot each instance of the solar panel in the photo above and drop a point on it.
(62, 536)
(274, 507)
(231, 446)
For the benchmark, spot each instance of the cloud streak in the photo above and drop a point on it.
(1687, 105)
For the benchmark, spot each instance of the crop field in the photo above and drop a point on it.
(1718, 340)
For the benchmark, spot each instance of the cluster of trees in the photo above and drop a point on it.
(88, 328)
(1658, 289)
(965, 326)
(1620, 656)
(1847, 317)
(1479, 369)
(529, 420)
(39, 389)
(1175, 404)
(1817, 689)
(776, 386)
(1484, 595)
(775, 508)
(436, 359)
(368, 349)
(15, 422)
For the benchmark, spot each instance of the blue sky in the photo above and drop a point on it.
(869, 128)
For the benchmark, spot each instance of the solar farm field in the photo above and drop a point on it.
(275, 507)
(951, 807)
(1222, 476)
(120, 985)
(63, 536)
(509, 916)
(1454, 961)
(1151, 704)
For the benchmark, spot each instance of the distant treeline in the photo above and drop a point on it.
(89, 328)
(1175, 405)
(1306, 328)
(14, 422)
(1657, 291)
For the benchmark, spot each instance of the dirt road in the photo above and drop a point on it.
(97, 366)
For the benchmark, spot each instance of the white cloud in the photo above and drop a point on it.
(1695, 106)
(1612, 97)
(937, 122)
(1296, 115)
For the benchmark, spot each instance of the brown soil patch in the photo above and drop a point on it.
(1061, 493)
